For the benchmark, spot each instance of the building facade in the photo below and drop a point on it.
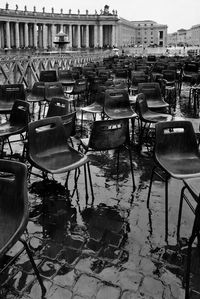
(183, 37)
(38, 30)
(150, 33)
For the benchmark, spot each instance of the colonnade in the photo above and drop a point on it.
(17, 34)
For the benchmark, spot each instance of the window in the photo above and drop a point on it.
(160, 34)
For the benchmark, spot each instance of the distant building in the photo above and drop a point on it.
(183, 37)
(104, 29)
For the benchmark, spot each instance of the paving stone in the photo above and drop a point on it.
(69, 255)
(106, 292)
(86, 286)
(56, 292)
(147, 266)
(65, 277)
(74, 241)
(129, 295)
(152, 287)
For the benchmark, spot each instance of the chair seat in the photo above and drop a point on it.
(154, 117)
(153, 103)
(67, 82)
(93, 108)
(6, 129)
(121, 113)
(34, 99)
(180, 167)
(59, 160)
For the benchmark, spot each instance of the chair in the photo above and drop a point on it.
(52, 90)
(80, 88)
(136, 78)
(48, 76)
(14, 212)
(16, 125)
(147, 119)
(192, 186)
(96, 107)
(117, 105)
(176, 154)
(37, 96)
(9, 93)
(49, 151)
(153, 95)
(66, 78)
(107, 135)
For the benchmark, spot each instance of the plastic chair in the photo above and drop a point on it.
(14, 212)
(107, 135)
(136, 78)
(49, 151)
(147, 120)
(52, 90)
(9, 93)
(16, 125)
(117, 105)
(66, 78)
(153, 95)
(80, 88)
(48, 76)
(37, 96)
(176, 154)
(192, 186)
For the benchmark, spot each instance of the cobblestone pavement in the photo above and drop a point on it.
(114, 249)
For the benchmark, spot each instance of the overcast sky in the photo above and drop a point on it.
(176, 14)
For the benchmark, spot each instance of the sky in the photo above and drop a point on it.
(176, 14)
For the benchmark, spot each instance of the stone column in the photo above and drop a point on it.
(87, 37)
(95, 36)
(17, 35)
(113, 35)
(8, 35)
(78, 36)
(116, 36)
(35, 35)
(70, 35)
(44, 36)
(25, 34)
(53, 33)
(101, 36)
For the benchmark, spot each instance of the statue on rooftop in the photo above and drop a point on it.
(7, 5)
(52, 10)
(86, 11)
(78, 11)
(16, 7)
(43, 9)
(25, 8)
(70, 11)
(61, 11)
(34, 8)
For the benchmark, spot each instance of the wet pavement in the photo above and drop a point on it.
(114, 248)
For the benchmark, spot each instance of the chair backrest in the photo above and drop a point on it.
(65, 75)
(58, 106)
(54, 89)
(191, 67)
(175, 138)
(38, 90)
(150, 89)
(108, 134)
(169, 75)
(80, 86)
(46, 135)
(138, 77)
(69, 123)
(13, 203)
(141, 106)
(20, 114)
(48, 76)
(116, 98)
(13, 92)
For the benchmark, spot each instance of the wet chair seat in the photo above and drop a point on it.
(176, 153)
(9, 93)
(14, 211)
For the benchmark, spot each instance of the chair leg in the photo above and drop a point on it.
(90, 180)
(86, 186)
(34, 266)
(180, 214)
(150, 186)
(132, 171)
(166, 209)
